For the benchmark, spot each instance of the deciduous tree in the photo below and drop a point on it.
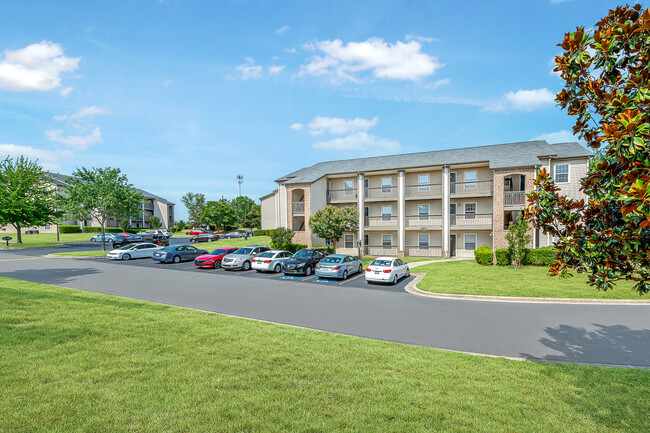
(518, 238)
(242, 206)
(253, 219)
(331, 222)
(154, 222)
(218, 215)
(194, 204)
(281, 238)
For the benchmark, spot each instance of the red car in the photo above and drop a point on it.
(213, 259)
(196, 232)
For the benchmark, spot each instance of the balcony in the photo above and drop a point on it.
(380, 250)
(433, 190)
(347, 195)
(471, 221)
(428, 222)
(471, 189)
(148, 206)
(384, 222)
(298, 208)
(514, 198)
(418, 251)
(381, 193)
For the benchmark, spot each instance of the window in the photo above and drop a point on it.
(348, 186)
(387, 240)
(47, 227)
(423, 241)
(562, 173)
(349, 241)
(470, 179)
(329, 187)
(423, 181)
(386, 185)
(470, 242)
(423, 212)
(386, 213)
(470, 211)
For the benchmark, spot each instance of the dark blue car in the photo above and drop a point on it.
(177, 253)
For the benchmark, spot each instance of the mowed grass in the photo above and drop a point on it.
(367, 260)
(75, 361)
(45, 239)
(95, 253)
(470, 278)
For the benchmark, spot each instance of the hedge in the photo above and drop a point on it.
(89, 229)
(540, 256)
(532, 257)
(295, 247)
(483, 255)
(69, 228)
(503, 257)
(262, 232)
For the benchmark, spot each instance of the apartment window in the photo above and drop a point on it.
(423, 241)
(329, 187)
(386, 240)
(47, 227)
(470, 211)
(562, 173)
(423, 181)
(348, 186)
(470, 179)
(423, 212)
(470, 242)
(386, 213)
(349, 241)
(386, 185)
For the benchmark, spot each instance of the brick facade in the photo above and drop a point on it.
(301, 237)
(499, 232)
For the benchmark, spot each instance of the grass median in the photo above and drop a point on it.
(470, 278)
(76, 361)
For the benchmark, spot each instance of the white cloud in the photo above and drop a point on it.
(275, 69)
(74, 141)
(562, 136)
(66, 91)
(290, 50)
(438, 83)
(35, 67)
(84, 112)
(47, 158)
(419, 38)
(399, 61)
(250, 70)
(282, 30)
(360, 141)
(338, 126)
(523, 100)
(297, 126)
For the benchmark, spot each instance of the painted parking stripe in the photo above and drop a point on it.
(351, 279)
(27, 258)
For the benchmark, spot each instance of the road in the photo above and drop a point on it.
(616, 335)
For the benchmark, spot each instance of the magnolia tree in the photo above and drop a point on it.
(608, 91)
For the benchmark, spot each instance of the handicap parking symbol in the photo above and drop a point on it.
(289, 277)
(323, 280)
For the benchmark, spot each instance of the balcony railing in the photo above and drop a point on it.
(471, 220)
(380, 250)
(298, 207)
(424, 191)
(428, 221)
(470, 189)
(341, 195)
(381, 221)
(148, 206)
(514, 198)
(418, 251)
(381, 192)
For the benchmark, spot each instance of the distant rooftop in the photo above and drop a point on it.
(498, 156)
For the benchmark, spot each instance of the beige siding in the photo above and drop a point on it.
(577, 170)
(268, 212)
(318, 195)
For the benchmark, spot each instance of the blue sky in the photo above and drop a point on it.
(184, 95)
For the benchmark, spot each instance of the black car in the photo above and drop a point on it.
(231, 235)
(303, 261)
(124, 240)
(205, 237)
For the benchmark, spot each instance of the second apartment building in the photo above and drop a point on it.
(430, 204)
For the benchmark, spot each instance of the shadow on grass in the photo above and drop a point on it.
(49, 276)
(615, 345)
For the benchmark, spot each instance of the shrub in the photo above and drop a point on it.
(295, 247)
(262, 232)
(503, 257)
(483, 255)
(93, 229)
(281, 238)
(540, 256)
(69, 229)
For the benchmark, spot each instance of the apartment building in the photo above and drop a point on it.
(431, 204)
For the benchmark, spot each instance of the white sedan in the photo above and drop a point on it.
(133, 251)
(386, 270)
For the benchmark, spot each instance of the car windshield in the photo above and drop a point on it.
(168, 249)
(127, 247)
(218, 252)
(267, 254)
(303, 254)
(244, 251)
(384, 263)
(332, 260)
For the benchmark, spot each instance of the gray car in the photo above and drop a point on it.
(270, 261)
(243, 257)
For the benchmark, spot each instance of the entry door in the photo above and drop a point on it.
(452, 214)
(452, 183)
(452, 245)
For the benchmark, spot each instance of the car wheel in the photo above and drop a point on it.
(345, 274)
(277, 269)
(93, 240)
(217, 264)
(176, 259)
(246, 266)
(408, 273)
(308, 271)
(360, 269)
(395, 279)
(126, 257)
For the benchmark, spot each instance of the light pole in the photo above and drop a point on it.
(240, 180)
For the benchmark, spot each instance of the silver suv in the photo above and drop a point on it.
(241, 259)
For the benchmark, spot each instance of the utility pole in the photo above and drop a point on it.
(240, 180)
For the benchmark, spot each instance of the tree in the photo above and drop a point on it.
(218, 215)
(281, 238)
(242, 206)
(194, 204)
(180, 225)
(518, 238)
(253, 219)
(27, 197)
(125, 224)
(331, 222)
(100, 193)
(608, 90)
(154, 222)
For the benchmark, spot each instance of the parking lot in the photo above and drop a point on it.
(356, 280)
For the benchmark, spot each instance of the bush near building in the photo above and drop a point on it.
(69, 228)
(532, 256)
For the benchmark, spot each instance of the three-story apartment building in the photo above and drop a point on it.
(430, 204)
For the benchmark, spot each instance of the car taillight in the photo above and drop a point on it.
(267, 261)
(368, 270)
(337, 268)
(386, 271)
(315, 266)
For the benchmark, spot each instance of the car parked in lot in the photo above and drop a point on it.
(212, 259)
(108, 237)
(338, 266)
(270, 261)
(205, 237)
(167, 232)
(126, 238)
(386, 270)
(194, 232)
(242, 258)
(177, 253)
(133, 251)
(231, 235)
(304, 261)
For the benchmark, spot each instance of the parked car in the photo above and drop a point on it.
(133, 251)
(128, 239)
(108, 237)
(270, 261)
(386, 270)
(167, 232)
(303, 261)
(196, 232)
(338, 266)
(213, 259)
(205, 237)
(152, 234)
(231, 235)
(241, 259)
(177, 253)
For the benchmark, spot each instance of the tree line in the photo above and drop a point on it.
(222, 214)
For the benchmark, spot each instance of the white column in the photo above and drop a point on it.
(361, 193)
(445, 212)
(401, 188)
(277, 208)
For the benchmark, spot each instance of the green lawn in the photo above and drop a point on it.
(45, 239)
(468, 277)
(74, 361)
(94, 253)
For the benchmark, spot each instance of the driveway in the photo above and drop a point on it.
(587, 334)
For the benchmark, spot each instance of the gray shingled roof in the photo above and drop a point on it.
(499, 156)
